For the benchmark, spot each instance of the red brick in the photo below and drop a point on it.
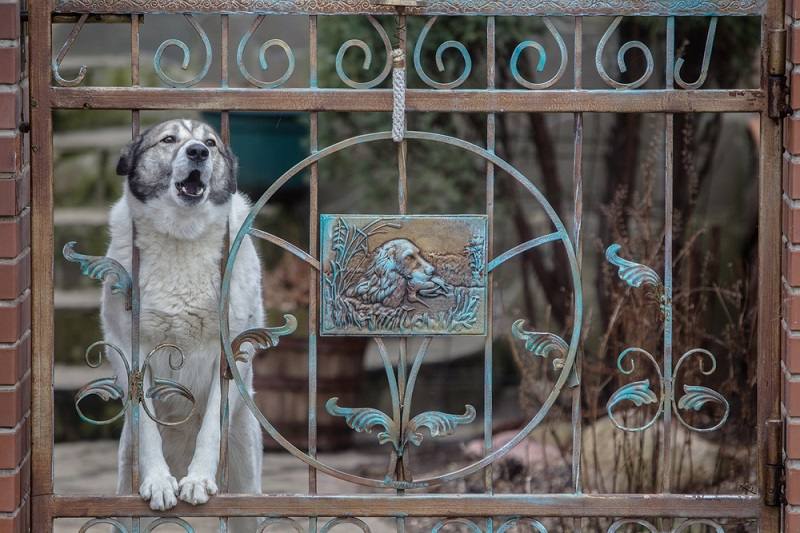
(14, 487)
(792, 132)
(18, 521)
(9, 21)
(14, 403)
(791, 397)
(15, 193)
(15, 318)
(15, 360)
(10, 153)
(14, 445)
(10, 65)
(15, 235)
(15, 276)
(791, 349)
(10, 106)
(791, 521)
(791, 176)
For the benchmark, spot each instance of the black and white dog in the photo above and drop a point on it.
(181, 195)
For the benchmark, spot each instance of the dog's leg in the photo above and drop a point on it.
(245, 446)
(199, 482)
(157, 484)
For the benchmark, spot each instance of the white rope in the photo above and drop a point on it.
(399, 92)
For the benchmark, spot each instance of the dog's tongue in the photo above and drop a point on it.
(192, 185)
(192, 188)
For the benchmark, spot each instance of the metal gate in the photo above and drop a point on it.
(333, 240)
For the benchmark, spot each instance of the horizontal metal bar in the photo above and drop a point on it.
(555, 505)
(434, 7)
(482, 101)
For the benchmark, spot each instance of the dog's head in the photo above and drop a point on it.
(184, 161)
(398, 272)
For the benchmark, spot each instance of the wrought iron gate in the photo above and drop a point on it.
(335, 241)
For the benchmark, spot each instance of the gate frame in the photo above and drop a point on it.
(45, 504)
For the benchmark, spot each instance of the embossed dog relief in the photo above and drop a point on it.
(403, 275)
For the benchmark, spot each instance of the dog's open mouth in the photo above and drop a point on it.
(192, 186)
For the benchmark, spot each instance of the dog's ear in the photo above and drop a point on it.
(233, 166)
(125, 164)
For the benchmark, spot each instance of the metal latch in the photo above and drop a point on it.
(777, 89)
(777, 96)
(773, 467)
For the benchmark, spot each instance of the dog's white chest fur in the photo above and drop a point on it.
(180, 302)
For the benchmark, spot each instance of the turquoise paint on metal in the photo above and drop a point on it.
(390, 275)
(568, 360)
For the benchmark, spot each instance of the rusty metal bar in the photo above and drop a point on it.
(313, 300)
(488, 362)
(577, 235)
(769, 268)
(669, 168)
(433, 7)
(42, 324)
(413, 505)
(417, 100)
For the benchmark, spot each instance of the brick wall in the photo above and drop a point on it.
(15, 276)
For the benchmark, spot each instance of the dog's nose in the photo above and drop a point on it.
(197, 152)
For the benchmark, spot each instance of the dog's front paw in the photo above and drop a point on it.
(197, 489)
(160, 490)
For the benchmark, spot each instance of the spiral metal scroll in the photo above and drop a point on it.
(262, 57)
(358, 43)
(639, 392)
(712, 29)
(106, 388)
(64, 49)
(163, 389)
(186, 57)
(100, 268)
(621, 59)
(439, 63)
(542, 59)
(542, 344)
(262, 338)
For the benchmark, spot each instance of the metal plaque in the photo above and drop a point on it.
(403, 275)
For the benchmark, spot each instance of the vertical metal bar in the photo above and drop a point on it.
(224, 74)
(224, 384)
(669, 132)
(488, 361)
(135, 302)
(135, 77)
(769, 267)
(577, 186)
(313, 301)
(402, 146)
(135, 408)
(402, 193)
(41, 213)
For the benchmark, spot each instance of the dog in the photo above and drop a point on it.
(398, 273)
(180, 195)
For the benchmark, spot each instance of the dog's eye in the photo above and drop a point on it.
(211, 143)
(169, 139)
